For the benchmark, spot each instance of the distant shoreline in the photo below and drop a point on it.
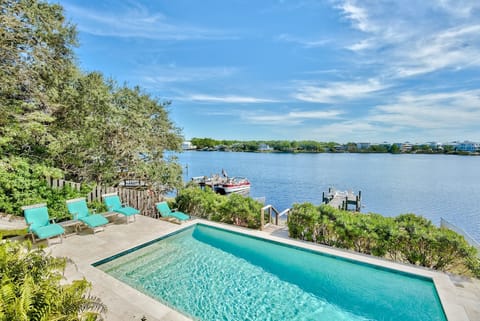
(467, 148)
(333, 152)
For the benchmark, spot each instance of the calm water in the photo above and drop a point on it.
(213, 274)
(433, 186)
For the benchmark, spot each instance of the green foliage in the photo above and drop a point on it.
(407, 238)
(23, 183)
(394, 149)
(233, 209)
(36, 58)
(310, 146)
(31, 289)
(104, 127)
(61, 122)
(202, 143)
(97, 207)
(303, 224)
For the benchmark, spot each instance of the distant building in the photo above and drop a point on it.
(363, 145)
(404, 147)
(435, 145)
(264, 148)
(188, 146)
(468, 146)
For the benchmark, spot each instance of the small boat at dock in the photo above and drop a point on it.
(223, 184)
(234, 185)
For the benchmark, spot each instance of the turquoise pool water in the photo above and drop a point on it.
(212, 274)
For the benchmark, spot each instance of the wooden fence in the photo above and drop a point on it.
(60, 183)
(143, 200)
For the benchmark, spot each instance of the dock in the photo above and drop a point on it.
(343, 199)
(212, 182)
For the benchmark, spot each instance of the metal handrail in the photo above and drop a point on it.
(470, 240)
(270, 208)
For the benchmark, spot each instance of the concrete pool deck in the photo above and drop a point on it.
(460, 296)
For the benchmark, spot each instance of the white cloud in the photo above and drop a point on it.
(337, 91)
(307, 43)
(459, 8)
(362, 45)
(410, 116)
(414, 42)
(443, 111)
(452, 48)
(226, 99)
(357, 15)
(290, 118)
(160, 74)
(137, 21)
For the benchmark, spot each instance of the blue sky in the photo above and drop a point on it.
(328, 70)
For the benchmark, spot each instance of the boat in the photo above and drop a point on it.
(230, 185)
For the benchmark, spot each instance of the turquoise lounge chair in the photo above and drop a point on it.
(79, 210)
(113, 203)
(39, 223)
(166, 212)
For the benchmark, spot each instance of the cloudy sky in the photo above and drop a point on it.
(325, 70)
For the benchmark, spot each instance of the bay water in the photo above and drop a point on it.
(432, 186)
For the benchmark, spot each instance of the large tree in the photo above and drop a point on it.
(36, 59)
(53, 113)
(106, 130)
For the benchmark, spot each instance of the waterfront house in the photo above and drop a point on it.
(404, 147)
(264, 148)
(468, 146)
(363, 146)
(188, 146)
(435, 145)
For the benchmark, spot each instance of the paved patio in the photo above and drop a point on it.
(459, 296)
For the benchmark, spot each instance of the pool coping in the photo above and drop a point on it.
(111, 289)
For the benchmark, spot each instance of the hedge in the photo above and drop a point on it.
(233, 209)
(407, 238)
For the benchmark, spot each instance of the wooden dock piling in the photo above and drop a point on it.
(342, 200)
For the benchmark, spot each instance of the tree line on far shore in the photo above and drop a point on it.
(311, 146)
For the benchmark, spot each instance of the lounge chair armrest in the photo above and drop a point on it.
(74, 216)
(52, 220)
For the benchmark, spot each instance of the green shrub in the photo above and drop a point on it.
(303, 224)
(240, 210)
(32, 288)
(233, 209)
(24, 183)
(97, 207)
(202, 203)
(406, 238)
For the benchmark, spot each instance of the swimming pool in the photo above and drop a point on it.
(214, 274)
